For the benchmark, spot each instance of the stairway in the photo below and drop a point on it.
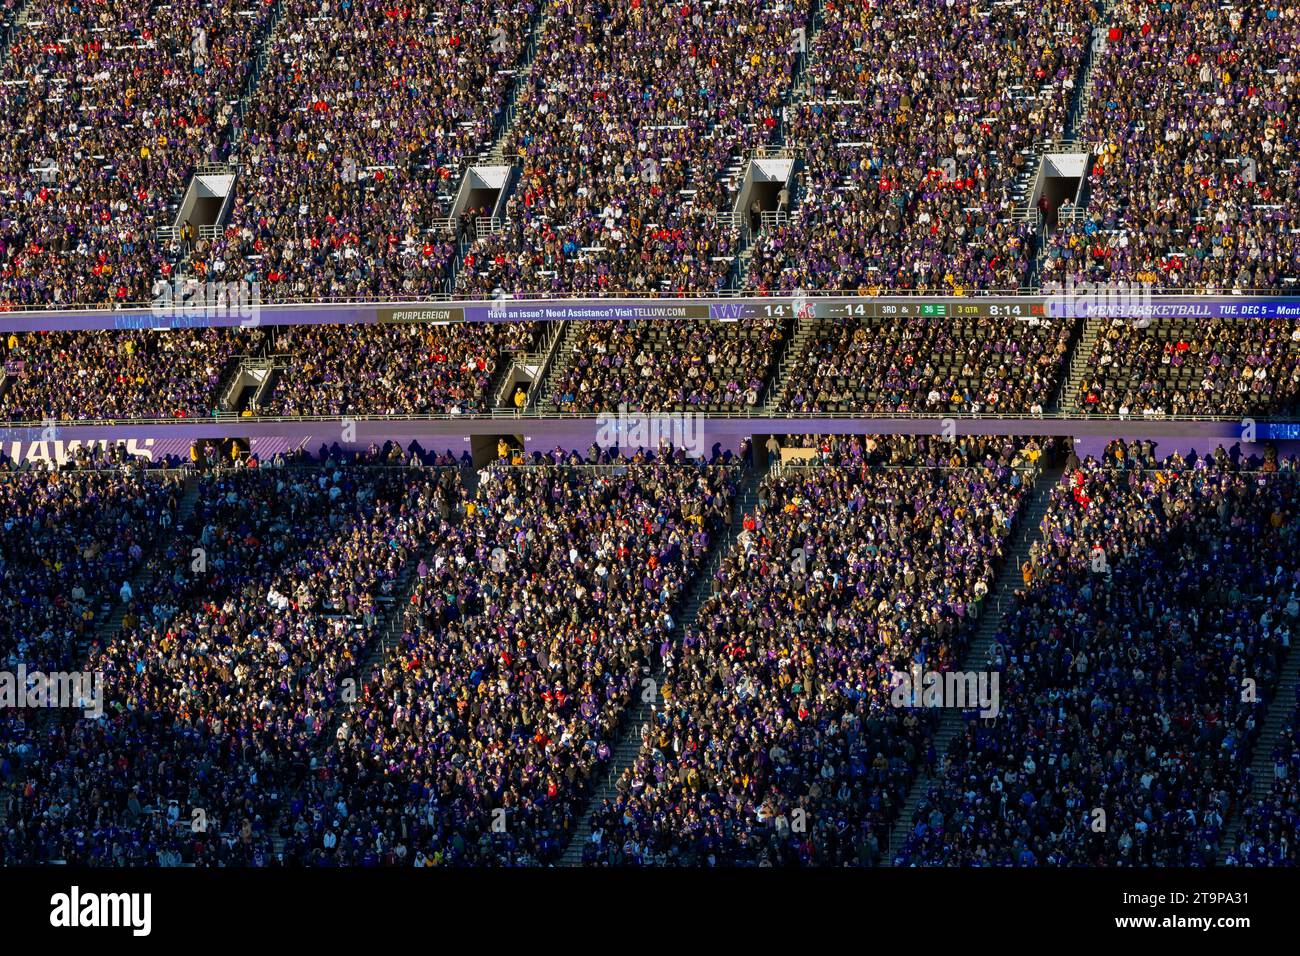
(394, 606)
(223, 395)
(806, 332)
(106, 629)
(497, 396)
(533, 367)
(494, 153)
(262, 51)
(21, 16)
(388, 632)
(543, 389)
(1280, 710)
(1067, 399)
(1022, 187)
(1082, 104)
(224, 156)
(998, 604)
(1076, 122)
(641, 713)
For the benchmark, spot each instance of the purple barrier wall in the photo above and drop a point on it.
(698, 434)
(1083, 447)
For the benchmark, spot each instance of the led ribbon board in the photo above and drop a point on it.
(847, 308)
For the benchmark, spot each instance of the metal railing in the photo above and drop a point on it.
(216, 169)
(135, 466)
(1064, 146)
(206, 231)
(612, 468)
(777, 152)
(538, 359)
(1074, 215)
(442, 298)
(1027, 214)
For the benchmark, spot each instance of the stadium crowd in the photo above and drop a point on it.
(649, 366)
(1269, 826)
(226, 668)
(406, 369)
(527, 633)
(921, 451)
(251, 700)
(625, 128)
(776, 742)
(363, 121)
(930, 365)
(1193, 184)
(385, 658)
(1229, 366)
(913, 142)
(68, 541)
(72, 376)
(1157, 607)
(912, 137)
(105, 111)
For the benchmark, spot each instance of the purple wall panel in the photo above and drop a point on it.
(267, 437)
